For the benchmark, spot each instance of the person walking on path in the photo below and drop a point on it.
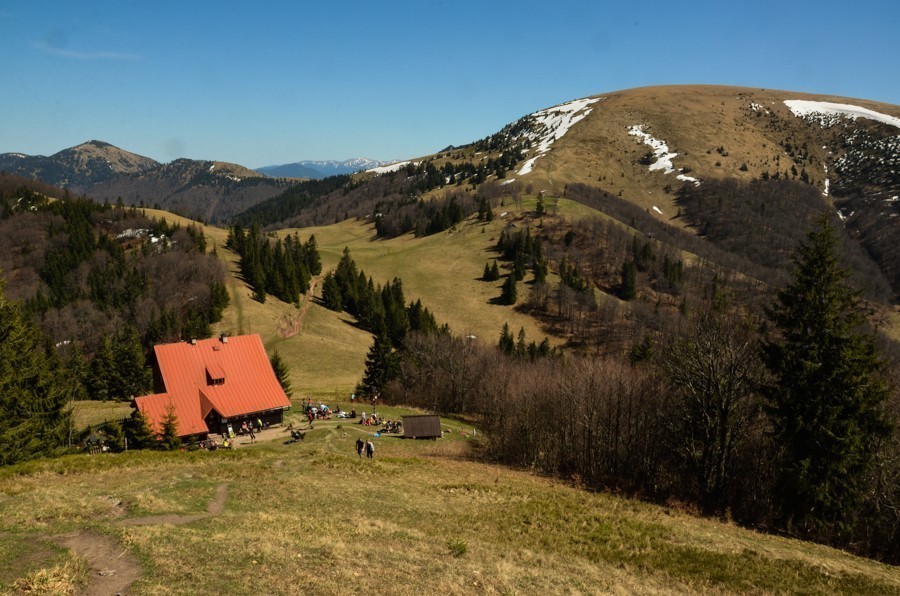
(359, 446)
(370, 449)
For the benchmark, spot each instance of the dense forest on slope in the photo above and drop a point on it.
(280, 268)
(105, 284)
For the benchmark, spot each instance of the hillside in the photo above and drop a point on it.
(311, 517)
(326, 352)
(200, 189)
(77, 167)
(654, 148)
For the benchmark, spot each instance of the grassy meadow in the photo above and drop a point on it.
(324, 350)
(421, 517)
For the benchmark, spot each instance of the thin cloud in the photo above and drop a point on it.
(79, 55)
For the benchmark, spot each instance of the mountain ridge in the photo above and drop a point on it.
(320, 168)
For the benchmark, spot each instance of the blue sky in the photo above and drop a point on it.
(275, 82)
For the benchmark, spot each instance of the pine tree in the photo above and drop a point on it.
(103, 378)
(508, 291)
(628, 289)
(331, 294)
(139, 433)
(381, 364)
(824, 401)
(133, 375)
(507, 344)
(520, 343)
(281, 373)
(34, 419)
(169, 439)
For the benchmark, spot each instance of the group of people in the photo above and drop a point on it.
(248, 428)
(392, 426)
(368, 446)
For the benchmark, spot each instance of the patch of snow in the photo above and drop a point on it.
(508, 181)
(755, 106)
(528, 166)
(233, 178)
(551, 125)
(828, 114)
(390, 168)
(212, 167)
(893, 199)
(660, 150)
(504, 214)
(657, 209)
(827, 181)
(19, 155)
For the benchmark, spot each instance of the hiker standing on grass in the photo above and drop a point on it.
(252, 435)
(359, 446)
(370, 449)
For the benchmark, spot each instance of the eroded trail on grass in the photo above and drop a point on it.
(214, 507)
(113, 568)
(292, 326)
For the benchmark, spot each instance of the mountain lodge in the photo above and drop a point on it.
(212, 383)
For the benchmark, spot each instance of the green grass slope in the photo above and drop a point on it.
(324, 350)
(421, 517)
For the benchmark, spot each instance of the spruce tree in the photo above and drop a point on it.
(824, 401)
(169, 436)
(508, 291)
(34, 418)
(628, 289)
(381, 364)
(281, 373)
(134, 376)
(139, 433)
(507, 344)
(332, 296)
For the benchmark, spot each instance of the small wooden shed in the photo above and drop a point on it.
(425, 426)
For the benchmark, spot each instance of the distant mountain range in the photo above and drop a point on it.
(207, 190)
(320, 169)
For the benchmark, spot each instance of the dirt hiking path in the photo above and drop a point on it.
(113, 568)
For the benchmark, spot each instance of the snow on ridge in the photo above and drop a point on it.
(827, 113)
(551, 124)
(390, 168)
(661, 152)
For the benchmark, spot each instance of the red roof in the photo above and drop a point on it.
(232, 377)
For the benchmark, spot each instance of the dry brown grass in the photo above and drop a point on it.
(312, 517)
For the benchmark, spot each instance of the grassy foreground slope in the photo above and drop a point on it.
(312, 517)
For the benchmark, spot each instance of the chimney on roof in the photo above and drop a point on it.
(193, 341)
(223, 338)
